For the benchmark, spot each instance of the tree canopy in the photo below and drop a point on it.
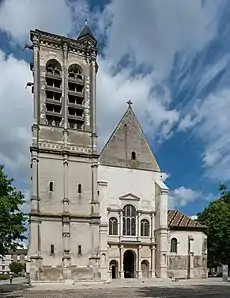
(16, 267)
(12, 219)
(216, 217)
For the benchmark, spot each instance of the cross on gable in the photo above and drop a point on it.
(129, 103)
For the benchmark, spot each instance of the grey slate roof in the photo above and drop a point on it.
(86, 32)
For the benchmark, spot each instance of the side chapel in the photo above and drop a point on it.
(97, 216)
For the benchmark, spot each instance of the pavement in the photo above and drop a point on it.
(213, 288)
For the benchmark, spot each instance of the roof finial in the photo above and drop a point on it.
(87, 14)
(129, 103)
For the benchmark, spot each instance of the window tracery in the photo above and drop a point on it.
(129, 220)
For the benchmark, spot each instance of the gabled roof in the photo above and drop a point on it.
(127, 140)
(178, 220)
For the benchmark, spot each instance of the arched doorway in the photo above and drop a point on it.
(129, 264)
(114, 268)
(145, 268)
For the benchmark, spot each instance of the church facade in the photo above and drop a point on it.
(94, 216)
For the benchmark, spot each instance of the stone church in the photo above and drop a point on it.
(97, 216)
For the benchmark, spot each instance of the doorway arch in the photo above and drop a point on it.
(129, 264)
(114, 268)
(145, 268)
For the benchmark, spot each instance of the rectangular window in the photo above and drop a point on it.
(52, 249)
(79, 188)
(79, 250)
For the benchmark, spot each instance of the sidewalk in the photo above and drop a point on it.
(127, 283)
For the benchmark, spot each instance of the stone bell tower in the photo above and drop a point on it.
(64, 219)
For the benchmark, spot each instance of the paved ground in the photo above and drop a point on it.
(194, 289)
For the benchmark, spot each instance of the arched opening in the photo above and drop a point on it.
(53, 93)
(144, 227)
(129, 220)
(75, 97)
(145, 268)
(113, 226)
(114, 268)
(173, 247)
(129, 264)
(133, 156)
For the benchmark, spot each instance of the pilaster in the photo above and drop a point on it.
(36, 74)
(34, 189)
(103, 229)
(121, 266)
(153, 271)
(66, 236)
(93, 102)
(65, 90)
(161, 231)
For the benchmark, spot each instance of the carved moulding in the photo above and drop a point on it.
(54, 146)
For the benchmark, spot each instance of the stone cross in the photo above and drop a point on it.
(129, 103)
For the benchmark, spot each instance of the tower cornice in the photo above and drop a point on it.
(51, 40)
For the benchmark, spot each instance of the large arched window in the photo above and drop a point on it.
(173, 247)
(144, 227)
(113, 226)
(129, 220)
(53, 93)
(76, 115)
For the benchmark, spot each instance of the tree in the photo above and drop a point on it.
(16, 267)
(216, 217)
(12, 219)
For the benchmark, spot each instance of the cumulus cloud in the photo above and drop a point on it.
(113, 92)
(149, 42)
(181, 196)
(17, 18)
(211, 125)
(15, 116)
(154, 31)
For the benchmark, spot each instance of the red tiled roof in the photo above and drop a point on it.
(177, 219)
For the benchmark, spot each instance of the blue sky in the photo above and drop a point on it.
(170, 58)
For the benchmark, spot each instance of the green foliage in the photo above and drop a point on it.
(12, 219)
(4, 276)
(216, 217)
(16, 267)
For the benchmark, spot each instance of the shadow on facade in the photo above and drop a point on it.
(205, 291)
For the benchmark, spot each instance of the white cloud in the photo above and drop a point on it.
(114, 91)
(182, 196)
(165, 176)
(211, 124)
(17, 18)
(15, 116)
(161, 29)
(153, 31)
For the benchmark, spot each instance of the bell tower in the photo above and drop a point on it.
(64, 219)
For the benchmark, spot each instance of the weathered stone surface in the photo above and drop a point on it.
(128, 137)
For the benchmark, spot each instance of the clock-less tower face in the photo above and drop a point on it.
(64, 91)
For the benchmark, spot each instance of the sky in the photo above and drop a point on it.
(169, 57)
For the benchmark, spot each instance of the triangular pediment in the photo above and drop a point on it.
(130, 196)
(128, 147)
